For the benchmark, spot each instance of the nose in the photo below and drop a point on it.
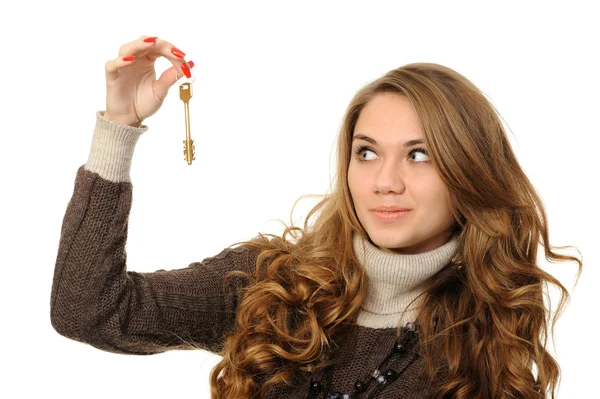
(389, 179)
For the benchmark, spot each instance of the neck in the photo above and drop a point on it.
(392, 281)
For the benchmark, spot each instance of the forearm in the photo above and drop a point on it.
(112, 149)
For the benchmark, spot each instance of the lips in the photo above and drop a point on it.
(390, 208)
(387, 216)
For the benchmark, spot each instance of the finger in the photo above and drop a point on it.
(166, 49)
(135, 49)
(177, 62)
(168, 79)
(151, 51)
(139, 47)
(112, 67)
(163, 48)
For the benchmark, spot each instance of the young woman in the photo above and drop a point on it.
(416, 278)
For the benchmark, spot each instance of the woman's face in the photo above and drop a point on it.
(388, 173)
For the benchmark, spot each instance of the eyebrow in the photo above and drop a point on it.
(409, 143)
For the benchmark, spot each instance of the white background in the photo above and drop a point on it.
(273, 80)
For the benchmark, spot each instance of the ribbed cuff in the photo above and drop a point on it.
(112, 148)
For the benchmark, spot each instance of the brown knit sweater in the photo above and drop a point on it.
(97, 301)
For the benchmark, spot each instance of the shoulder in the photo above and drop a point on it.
(240, 258)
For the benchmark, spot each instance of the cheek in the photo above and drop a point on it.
(353, 181)
(430, 190)
(356, 186)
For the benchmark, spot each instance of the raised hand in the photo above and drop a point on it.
(132, 91)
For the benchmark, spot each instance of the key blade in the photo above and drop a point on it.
(189, 149)
(185, 92)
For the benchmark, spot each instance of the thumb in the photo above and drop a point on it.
(167, 79)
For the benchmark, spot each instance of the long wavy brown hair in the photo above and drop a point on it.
(484, 311)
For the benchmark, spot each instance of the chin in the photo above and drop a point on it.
(386, 240)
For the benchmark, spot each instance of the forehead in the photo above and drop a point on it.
(388, 117)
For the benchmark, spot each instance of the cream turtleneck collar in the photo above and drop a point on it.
(392, 278)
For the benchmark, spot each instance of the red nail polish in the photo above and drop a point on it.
(177, 53)
(129, 58)
(150, 39)
(191, 64)
(186, 71)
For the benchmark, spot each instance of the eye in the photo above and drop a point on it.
(422, 150)
(360, 149)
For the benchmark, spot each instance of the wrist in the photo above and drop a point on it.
(129, 123)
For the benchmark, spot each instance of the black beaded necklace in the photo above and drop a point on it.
(322, 386)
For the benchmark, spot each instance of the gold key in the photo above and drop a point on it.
(185, 93)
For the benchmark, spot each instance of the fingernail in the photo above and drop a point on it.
(150, 39)
(191, 64)
(186, 71)
(129, 58)
(177, 53)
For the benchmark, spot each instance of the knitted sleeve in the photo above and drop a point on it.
(97, 301)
